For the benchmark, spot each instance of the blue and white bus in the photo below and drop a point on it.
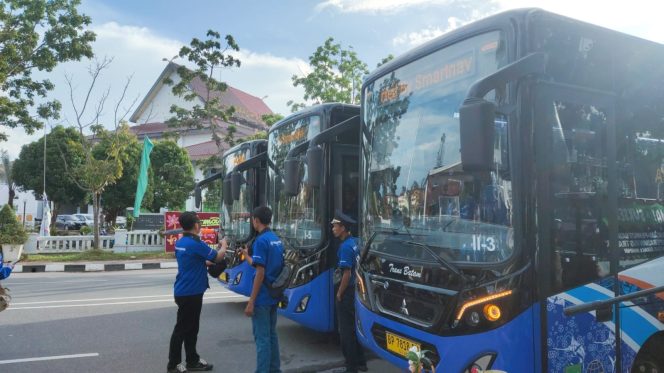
(236, 210)
(512, 203)
(313, 171)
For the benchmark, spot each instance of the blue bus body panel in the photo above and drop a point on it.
(245, 284)
(513, 342)
(581, 341)
(319, 314)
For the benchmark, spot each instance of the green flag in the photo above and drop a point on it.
(143, 176)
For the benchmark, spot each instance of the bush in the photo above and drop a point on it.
(11, 231)
(85, 230)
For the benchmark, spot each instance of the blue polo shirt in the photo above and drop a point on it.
(191, 254)
(348, 254)
(268, 252)
(5, 270)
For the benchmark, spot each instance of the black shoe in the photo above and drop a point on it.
(178, 369)
(201, 366)
(363, 368)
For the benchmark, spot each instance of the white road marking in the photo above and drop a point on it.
(45, 358)
(118, 298)
(54, 282)
(238, 297)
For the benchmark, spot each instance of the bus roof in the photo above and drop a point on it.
(319, 108)
(515, 16)
(244, 145)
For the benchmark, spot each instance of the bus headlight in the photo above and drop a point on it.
(481, 300)
(492, 312)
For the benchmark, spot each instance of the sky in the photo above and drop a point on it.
(277, 37)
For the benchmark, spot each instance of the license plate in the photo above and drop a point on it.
(223, 276)
(399, 345)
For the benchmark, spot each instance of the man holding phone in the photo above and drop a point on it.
(193, 257)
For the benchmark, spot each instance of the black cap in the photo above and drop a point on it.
(343, 219)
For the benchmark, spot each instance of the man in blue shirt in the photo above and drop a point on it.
(268, 259)
(347, 254)
(193, 257)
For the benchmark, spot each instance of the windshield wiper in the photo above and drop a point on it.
(442, 261)
(396, 231)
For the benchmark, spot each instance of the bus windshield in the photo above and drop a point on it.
(415, 184)
(297, 219)
(236, 219)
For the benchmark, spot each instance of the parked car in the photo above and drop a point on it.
(68, 222)
(86, 219)
(121, 222)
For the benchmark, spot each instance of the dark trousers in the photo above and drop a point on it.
(186, 330)
(350, 347)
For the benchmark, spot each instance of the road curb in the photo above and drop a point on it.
(92, 267)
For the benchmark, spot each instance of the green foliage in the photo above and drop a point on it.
(385, 60)
(36, 35)
(28, 168)
(271, 119)
(173, 177)
(85, 230)
(209, 56)
(336, 76)
(121, 195)
(11, 231)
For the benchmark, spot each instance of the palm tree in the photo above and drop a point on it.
(6, 174)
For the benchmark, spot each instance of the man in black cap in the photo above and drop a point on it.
(348, 255)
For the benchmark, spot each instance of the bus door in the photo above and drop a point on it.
(577, 246)
(345, 186)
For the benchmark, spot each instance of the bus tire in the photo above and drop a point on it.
(650, 359)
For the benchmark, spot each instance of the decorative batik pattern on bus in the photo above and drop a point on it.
(579, 343)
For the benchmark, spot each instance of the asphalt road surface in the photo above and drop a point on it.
(122, 322)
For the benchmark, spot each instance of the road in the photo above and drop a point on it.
(122, 321)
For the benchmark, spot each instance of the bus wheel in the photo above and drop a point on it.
(648, 364)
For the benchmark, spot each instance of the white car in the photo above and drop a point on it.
(121, 221)
(86, 219)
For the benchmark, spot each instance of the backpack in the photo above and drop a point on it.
(277, 288)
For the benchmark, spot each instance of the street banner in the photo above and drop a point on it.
(209, 223)
(142, 184)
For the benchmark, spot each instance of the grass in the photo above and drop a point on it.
(94, 255)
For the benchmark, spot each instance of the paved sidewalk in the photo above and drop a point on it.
(95, 266)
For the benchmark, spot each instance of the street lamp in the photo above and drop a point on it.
(24, 202)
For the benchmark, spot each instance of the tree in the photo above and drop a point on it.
(117, 198)
(29, 166)
(36, 35)
(209, 56)
(96, 173)
(211, 191)
(7, 176)
(336, 76)
(271, 119)
(11, 231)
(173, 178)
(385, 60)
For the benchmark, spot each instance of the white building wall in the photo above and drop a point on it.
(193, 139)
(159, 109)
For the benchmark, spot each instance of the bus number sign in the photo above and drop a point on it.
(484, 243)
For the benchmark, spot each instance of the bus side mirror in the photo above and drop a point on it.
(197, 197)
(477, 132)
(227, 191)
(314, 166)
(604, 314)
(236, 184)
(292, 176)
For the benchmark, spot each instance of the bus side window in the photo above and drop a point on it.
(640, 190)
(579, 195)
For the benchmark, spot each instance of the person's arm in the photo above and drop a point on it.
(247, 257)
(258, 282)
(345, 280)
